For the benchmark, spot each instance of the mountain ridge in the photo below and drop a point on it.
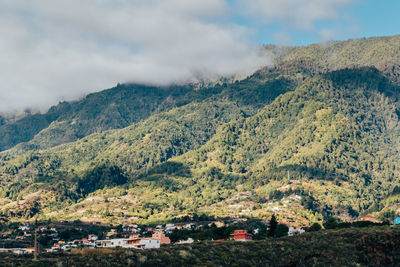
(329, 134)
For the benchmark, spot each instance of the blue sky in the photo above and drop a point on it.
(376, 18)
(55, 50)
(362, 18)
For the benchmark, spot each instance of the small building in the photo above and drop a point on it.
(56, 247)
(133, 236)
(396, 221)
(242, 235)
(188, 241)
(93, 237)
(24, 227)
(19, 251)
(66, 247)
(83, 242)
(110, 243)
(295, 231)
(164, 240)
(112, 233)
(149, 243)
(137, 243)
(30, 250)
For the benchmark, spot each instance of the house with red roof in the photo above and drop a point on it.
(242, 235)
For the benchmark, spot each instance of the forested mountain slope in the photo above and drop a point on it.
(123, 105)
(340, 127)
(114, 108)
(296, 139)
(381, 52)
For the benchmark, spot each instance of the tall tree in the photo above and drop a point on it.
(273, 224)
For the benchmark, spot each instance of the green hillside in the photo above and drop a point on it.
(316, 135)
(380, 52)
(110, 109)
(126, 104)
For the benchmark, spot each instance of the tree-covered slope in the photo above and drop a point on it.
(294, 139)
(23, 130)
(125, 104)
(334, 140)
(376, 51)
(109, 109)
(341, 127)
(55, 172)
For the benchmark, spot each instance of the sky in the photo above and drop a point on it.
(56, 50)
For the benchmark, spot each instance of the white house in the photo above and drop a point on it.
(138, 243)
(93, 237)
(295, 231)
(110, 243)
(188, 241)
(24, 227)
(19, 251)
(150, 243)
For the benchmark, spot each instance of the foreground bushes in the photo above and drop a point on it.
(349, 247)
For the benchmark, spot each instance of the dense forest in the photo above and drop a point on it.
(314, 136)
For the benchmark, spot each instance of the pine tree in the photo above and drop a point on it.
(273, 224)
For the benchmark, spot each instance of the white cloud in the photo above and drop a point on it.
(300, 14)
(53, 49)
(297, 15)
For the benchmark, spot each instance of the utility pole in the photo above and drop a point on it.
(35, 252)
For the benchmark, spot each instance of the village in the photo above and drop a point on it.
(123, 236)
(30, 239)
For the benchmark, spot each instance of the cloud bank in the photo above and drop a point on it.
(56, 50)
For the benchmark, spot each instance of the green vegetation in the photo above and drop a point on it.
(307, 139)
(381, 52)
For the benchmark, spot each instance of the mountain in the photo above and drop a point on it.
(110, 109)
(316, 135)
(380, 52)
(126, 104)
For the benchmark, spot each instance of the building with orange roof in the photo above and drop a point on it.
(164, 240)
(242, 235)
